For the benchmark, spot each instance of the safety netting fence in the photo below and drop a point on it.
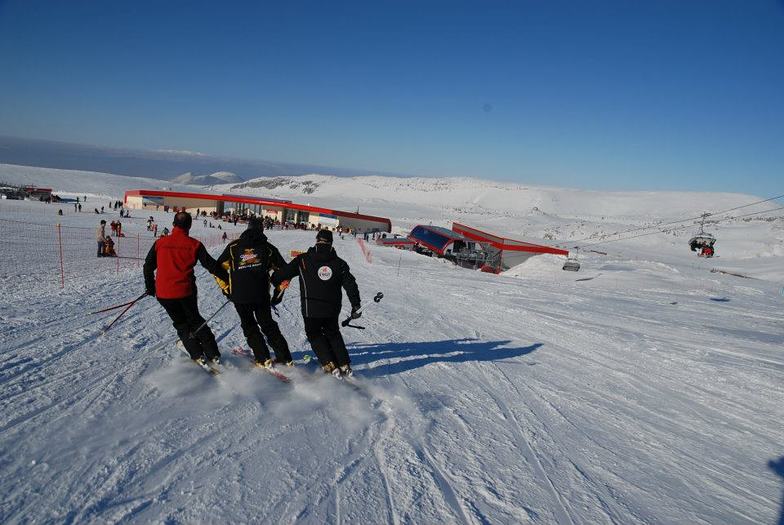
(59, 255)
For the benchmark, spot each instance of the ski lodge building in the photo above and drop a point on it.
(281, 210)
(37, 194)
(468, 246)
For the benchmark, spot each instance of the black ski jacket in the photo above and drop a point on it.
(250, 260)
(321, 275)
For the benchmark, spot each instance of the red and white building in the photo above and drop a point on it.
(283, 211)
(511, 252)
(470, 247)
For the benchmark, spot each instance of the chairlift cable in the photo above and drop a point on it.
(710, 214)
(670, 230)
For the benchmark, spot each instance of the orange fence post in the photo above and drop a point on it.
(62, 268)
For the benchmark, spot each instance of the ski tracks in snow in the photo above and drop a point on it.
(561, 511)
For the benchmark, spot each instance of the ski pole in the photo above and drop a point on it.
(119, 305)
(106, 328)
(376, 299)
(202, 325)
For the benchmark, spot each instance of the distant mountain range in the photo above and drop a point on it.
(156, 164)
(219, 177)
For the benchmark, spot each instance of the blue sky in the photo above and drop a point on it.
(680, 94)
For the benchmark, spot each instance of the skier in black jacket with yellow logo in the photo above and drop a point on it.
(322, 274)
(249, 261)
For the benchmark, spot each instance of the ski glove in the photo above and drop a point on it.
(277, 296)
(355, 313)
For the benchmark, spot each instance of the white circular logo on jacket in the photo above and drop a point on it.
(325, 273)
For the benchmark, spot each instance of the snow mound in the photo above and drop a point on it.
(537, 266)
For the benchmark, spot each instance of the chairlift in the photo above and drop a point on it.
(703, 242)
(572, 264)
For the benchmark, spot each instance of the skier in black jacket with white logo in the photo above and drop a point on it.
(249, 261)
(322, 274)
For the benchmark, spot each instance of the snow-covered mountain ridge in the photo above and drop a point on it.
(219, 177)
(499, 196)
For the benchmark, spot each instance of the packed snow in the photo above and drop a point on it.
(645, 388)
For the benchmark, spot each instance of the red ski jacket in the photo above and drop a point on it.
(174, 257)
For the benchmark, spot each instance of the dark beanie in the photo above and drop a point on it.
(254, 223)
(324, 236)
(183, 220)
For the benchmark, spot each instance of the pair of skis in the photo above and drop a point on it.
(240, 351)
(208, 367)
(244, 352)
(214, 370)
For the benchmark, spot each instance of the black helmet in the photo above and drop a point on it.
(324, 237)
(183, 220)
(254, 223)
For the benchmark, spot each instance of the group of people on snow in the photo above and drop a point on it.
(245, 271)
(105, 242)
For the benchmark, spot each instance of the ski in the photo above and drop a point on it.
(352, 384)
(211, 370)
(243, 352)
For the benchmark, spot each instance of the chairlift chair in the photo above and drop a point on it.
(572, 264)
(703, 242)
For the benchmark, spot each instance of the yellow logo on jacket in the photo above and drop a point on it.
(248, 256)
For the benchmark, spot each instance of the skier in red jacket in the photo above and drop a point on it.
(174, 285)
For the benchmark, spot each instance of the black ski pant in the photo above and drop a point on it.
(186, 319)
(257, 316)
(324, 336)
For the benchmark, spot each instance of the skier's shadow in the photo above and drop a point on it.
(777, 466)
(393, 358)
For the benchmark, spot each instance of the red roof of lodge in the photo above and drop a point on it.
(255, 200)
(503, 243)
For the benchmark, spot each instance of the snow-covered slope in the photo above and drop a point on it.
(71, 182)
(564, 217)
(561, 216)
(643, 389)
(480, 195)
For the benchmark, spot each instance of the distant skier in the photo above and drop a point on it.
(249, 261)
(100, 237)
(174, 284)
(321, 275)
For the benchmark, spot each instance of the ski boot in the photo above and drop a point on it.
(330, 368)
(346, 370)
(277, 361)
(267, 363)
(215, 360)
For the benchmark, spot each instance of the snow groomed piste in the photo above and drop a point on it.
(649, 393)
